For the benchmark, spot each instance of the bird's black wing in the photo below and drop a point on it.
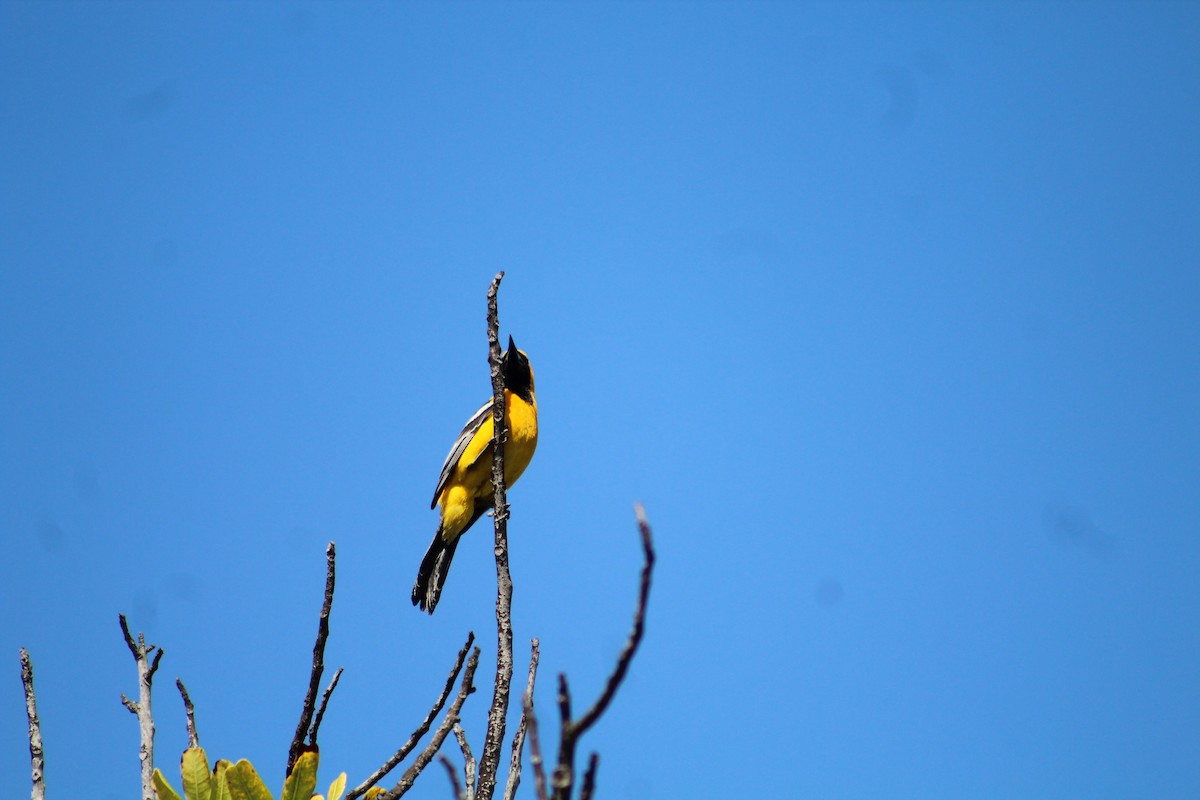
(460, 445)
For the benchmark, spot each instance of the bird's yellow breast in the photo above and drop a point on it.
(522, 435)
(470, 482)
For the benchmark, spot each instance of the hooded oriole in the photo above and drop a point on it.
(464, 490)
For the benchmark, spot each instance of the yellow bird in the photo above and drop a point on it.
(464, 490)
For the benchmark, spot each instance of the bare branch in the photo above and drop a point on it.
(36, 756)
(535, 749)
(153, 664)
(146, 669)
(564, 772)
(563, 776)
(312, 735)
(451, 718)
(564, 700)
(494, 741)
(190, 710)
(589, 778)
(635, 636)
(468, 762)
(454, 784)
(128, 638)
(318, 665)
(518, 745)
(421, 730)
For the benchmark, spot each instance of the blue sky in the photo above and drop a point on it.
(887, 312)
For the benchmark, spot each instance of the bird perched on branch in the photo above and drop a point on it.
(464, 490)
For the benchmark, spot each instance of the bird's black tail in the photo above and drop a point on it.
(432, 575)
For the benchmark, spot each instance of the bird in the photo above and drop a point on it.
(464, 489)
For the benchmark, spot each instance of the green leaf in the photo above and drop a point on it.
(244, 783)
(220, 788)
(162, 788)
(337, 787)
(196, 778)
(302, 780)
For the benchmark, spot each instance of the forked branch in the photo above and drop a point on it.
(572, 729)
(147, 658)
(318, 664)
(423, 728)
(448, 722)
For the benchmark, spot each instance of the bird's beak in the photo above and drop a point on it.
(512, 346)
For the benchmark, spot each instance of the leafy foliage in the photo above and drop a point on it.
(240, 781)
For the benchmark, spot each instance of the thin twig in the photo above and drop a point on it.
(318, 665)
(158, 654)
(535, 749)
(146, 669)
(190, 711)
(312, 734)
(454, 784)
(37, 762)
(468, 762)
(439, 736)
(494, 741)
(588, 788)
(421, 730)
(564, 772)
(518, 745)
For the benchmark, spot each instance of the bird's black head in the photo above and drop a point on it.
(518, 375)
